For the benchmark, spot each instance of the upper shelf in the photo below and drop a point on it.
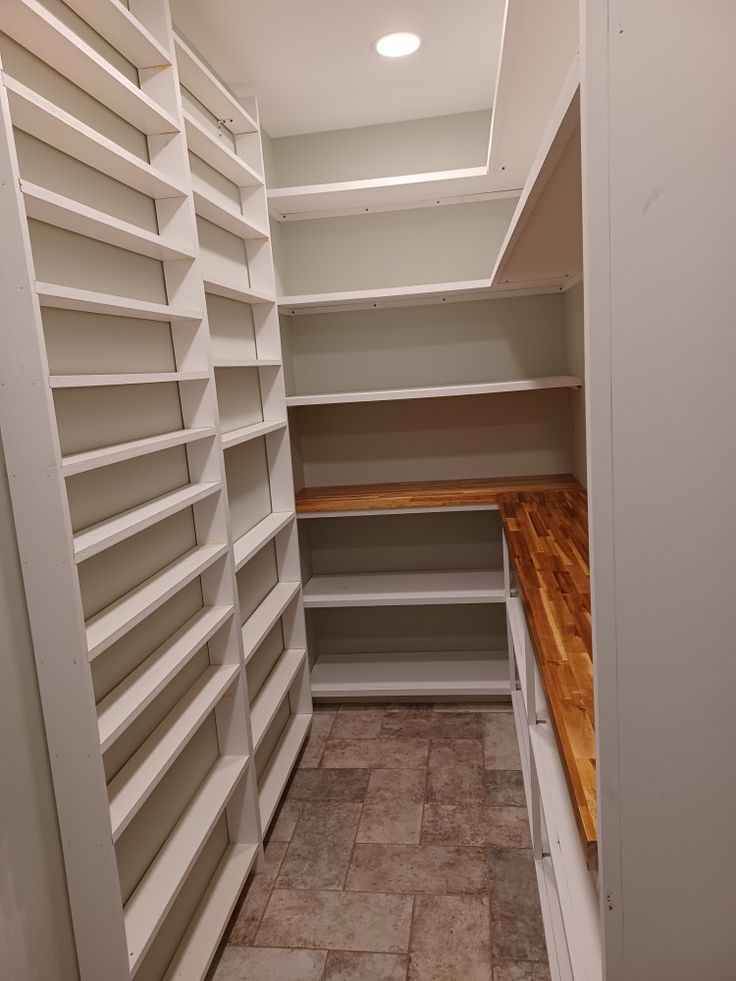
(200, 80)
(113, 21)
(218, 154)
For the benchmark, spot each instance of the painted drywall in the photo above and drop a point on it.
(36, 940)
(416, 146)
(575, 351)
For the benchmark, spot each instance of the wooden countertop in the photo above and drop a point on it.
(547, 536)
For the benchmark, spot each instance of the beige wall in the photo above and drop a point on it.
(36, 942)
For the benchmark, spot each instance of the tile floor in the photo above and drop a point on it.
(401, 853)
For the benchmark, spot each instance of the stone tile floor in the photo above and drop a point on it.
(401, 853)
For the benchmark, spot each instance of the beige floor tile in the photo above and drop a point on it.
(337, 921)
(250, 909)
(425, 723)
(376, 753)
(392, 812)
(357, 723)
(476, 824)
(283, 826)
(493, 705)
(450, 939)
(500, 742)
(456, 774)
(320, 848)
(417, 869)
(505, 787)
(345, 965)
(325, 785)
(521, 971)
(269, 964)
(319, 732)
(516, 920)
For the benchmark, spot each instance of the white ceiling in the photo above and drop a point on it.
(312, 64)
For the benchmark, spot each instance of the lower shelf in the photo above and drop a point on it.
(470, 673)
(273, 781)
(426, 588)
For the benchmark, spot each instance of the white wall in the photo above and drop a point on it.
(659, 142)
(575, 351)
(36, 942)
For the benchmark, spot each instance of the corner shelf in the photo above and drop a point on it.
(392, 296)
(405, 589)
(437, 391)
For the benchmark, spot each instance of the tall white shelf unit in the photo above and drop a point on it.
(166, 773)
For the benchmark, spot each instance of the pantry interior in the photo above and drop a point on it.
(326, 413)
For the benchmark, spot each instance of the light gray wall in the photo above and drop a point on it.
(575, 350)
(413, 147)
(36, 942)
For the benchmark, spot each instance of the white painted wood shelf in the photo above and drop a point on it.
(236, 436)
(199, 79)
(274, 691)
(245, 547)
(209, 208)
(236, 291)
(266, 614)
(437, 391)
(115, 22)
(139, 378)
(218, 154)
(471, 674)
(75, 463)
(271, 785)
(88, 301)
(405, 589)
(392, 296)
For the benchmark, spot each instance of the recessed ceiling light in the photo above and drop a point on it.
(398, 45)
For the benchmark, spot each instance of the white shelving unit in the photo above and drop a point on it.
(404, 589)
(130, 520)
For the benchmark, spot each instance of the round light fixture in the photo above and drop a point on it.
(398, 45)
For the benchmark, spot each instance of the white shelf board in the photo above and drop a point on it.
(116, 24)
(34, 27)
(233, 291)
(119, 617)
(246, 433)
(271, 785)
(146, 909)
(63, 212)
(248, 363)
(131, 787)
(276, 688)
(405, 589)
(266, 614)
(134, 694)
(368, 512)
(437, 391)
(88, 301)
(96, 538)
(37, 116)
(137, 378)
(103, 457)
(199, 79)
(548, 249)
(432, 674)
(202, 938)
(210, 209)
(218, 154)
(259, 535)
(388, 193)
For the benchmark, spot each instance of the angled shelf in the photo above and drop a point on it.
(38, 117)
(119, 617)
(32, 25)
(73, 216)
(261, 534)
(246, 433)
(112, 20)
(88, 301)
(271, 785)
(404, 589)
(274, 691)
(265, 616)
(135, 378)
(432, 674)
(96, 538)
(134, 694)
(392, 296)
(201, 940)
(209, 208)
(218, 154)
(135, 782)
(199, 79)
(146, 909)
(103, 457)
(437, 391)
(233, 291)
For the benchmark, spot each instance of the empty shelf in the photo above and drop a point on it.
(147, 907)
(199, 944)
(262, 533)
(233, 291)
(405, 588)
(269, 698)
(87, 301)
(34, 27)
(390, 296)
(37, 116)
(271, 784)
(438, 391)
(218, 154)
(248, 363)
(242, 435)
(116, 24)
(198, 78)
(266, 614)
(139, 378)
(128, 699)
(210, 209)
(55, 209)
(96, 538)
(92, 459)
(434, 674)
(135, 782)
(115, 620)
